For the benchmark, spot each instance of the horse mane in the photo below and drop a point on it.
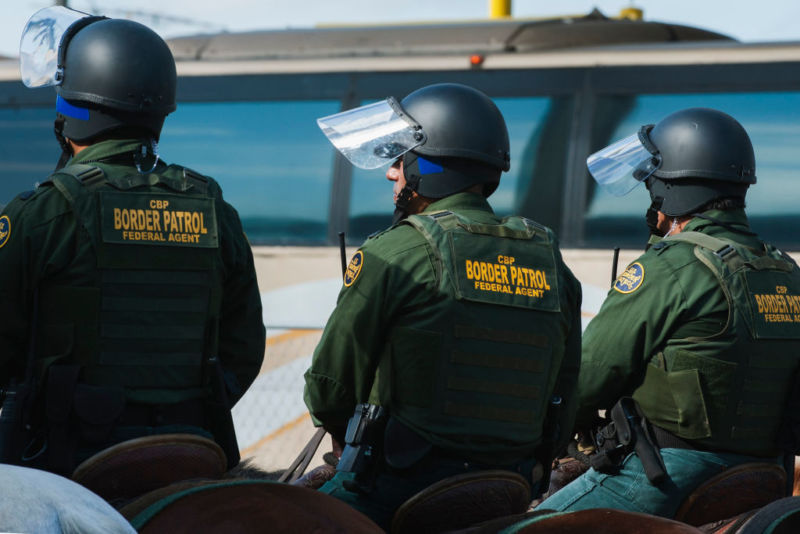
(247, 469)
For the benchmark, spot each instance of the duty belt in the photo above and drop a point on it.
(665, 439)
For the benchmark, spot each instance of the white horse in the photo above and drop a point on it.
(37, 501)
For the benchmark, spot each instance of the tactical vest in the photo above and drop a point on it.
(147, 324)
(728, 391)
(490, 372)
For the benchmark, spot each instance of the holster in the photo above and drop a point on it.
(610, 451)
(363, 452)
(628, 431)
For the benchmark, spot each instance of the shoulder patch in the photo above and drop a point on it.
(630, 280)
(354, 269)
(5, 229)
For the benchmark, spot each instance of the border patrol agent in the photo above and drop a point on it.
(128, 297)
(460, 325)
(702, 331)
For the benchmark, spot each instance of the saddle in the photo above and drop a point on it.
(463, 500)
(243, 506)
(135, 467)
(732, 492)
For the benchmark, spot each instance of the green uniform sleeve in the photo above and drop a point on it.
(30, 250)
(344, 364)
(635, 319)
(14, 305)
(242, 336)
(567, 379)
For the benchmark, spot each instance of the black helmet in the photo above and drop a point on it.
(466, 140)
(704, 155)
(459, 122)
(116, 73)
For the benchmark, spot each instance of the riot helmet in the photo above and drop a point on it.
(449, 136)
(690, 158)
(466, 141)
(109, 74)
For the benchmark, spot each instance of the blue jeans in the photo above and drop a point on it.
(630, 490)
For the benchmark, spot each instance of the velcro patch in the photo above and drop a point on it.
(630, 280)
(505, 272)
(158, 219)
(354, 269)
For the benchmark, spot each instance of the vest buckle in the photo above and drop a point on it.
(724, 252)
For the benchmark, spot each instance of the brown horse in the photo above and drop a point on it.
(243, 506)
(596, 521)
(779, 517)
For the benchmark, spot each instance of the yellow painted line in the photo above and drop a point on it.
(291, 334)
(282, 430)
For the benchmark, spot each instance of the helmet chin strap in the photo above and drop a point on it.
(66, 150)
(652, 216)
(401, 204)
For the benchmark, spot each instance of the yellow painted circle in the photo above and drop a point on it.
(5, 229)
(631, 279)
(354, 269)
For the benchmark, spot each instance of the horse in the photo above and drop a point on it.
(37, 501)
(596, 521)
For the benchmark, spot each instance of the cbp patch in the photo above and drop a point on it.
(5, 230)
(631, 279)
(354, 269)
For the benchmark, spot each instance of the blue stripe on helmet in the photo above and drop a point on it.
(427, 166)
(70, 110)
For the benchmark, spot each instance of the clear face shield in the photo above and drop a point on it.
(40, 43)
(625, 164)
(373, 135)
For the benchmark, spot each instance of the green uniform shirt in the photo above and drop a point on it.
(667, 302)
(386, 309)
(46, 244)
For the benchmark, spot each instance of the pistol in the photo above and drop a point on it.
(364, 446)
